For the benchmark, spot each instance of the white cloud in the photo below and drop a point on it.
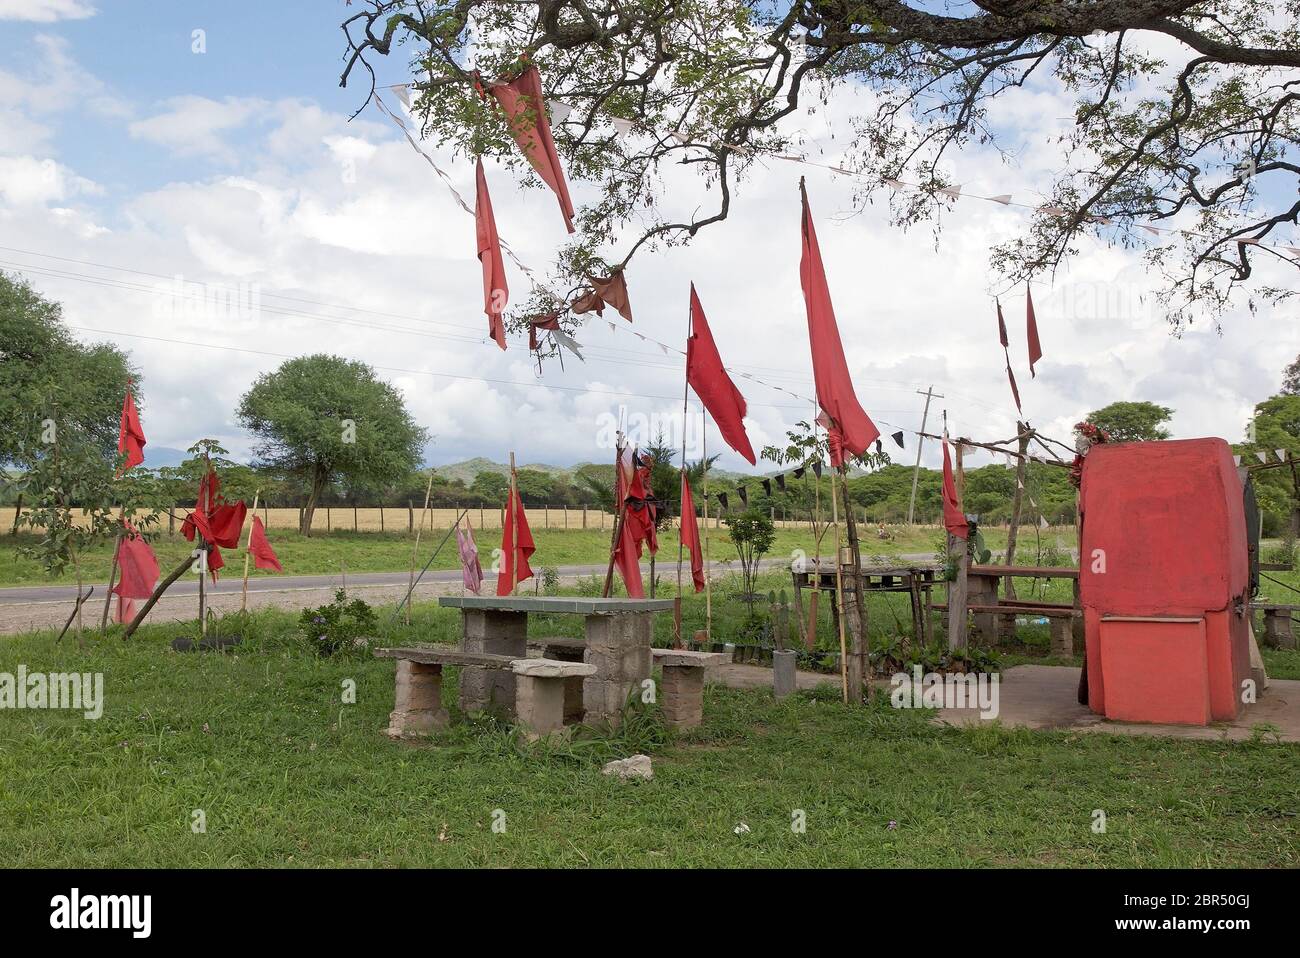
(45, 11)
(29, 180)
(196, 126)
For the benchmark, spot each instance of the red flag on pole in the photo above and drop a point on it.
(1006, 352)
(506, 579)
(707, 376)
(853, 427)
(259, 545)
(690, 532)
(130, 435)
(495, 291)
(954, 520)
(138, 573)
(1031, 331)
(521, 99)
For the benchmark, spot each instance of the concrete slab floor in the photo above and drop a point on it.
(1045, 697)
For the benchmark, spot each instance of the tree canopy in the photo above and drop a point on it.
(1202, 133)
(45, 374)
(325, 419)
(1132, 421)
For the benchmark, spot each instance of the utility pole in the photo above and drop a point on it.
(920, 441)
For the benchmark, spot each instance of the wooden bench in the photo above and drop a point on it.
(417, 706)
(1060, 618)
(683, 684)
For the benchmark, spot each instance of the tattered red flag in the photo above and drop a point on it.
(1006, 352)
(954, 520)
(259, 545)
(495, 291)
(548, 321)
(521, 100)
(130, 434)
(1031, 332)
(853, 427)
(216, 521)
(513, 557)
(137, 572)
(690, 533)
(708, 377)
(613, 292)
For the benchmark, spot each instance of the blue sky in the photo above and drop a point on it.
(238, 167)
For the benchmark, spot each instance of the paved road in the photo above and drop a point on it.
(232, 584)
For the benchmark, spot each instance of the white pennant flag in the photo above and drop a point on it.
(1153, 230)
(953, 191)
(1004, 199)
(1262, 456)
(1042, 521)
(403, 94)
(1053, 211)
(680, 137)
(622, 127)
(559, 110)
(1236, 460)
(612, 327)
(895, 184)
(664, 348)
(1281, 454)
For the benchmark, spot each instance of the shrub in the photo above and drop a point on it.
(330, 629)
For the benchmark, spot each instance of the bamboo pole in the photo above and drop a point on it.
(708, 584)
(681, 500)
(620, 510)
(839, 597)
(415, 549)
(112, 579)
(248, 546)
(515, 505)
(205, 505)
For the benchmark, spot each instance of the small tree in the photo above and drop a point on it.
(1132, 421)
(752, 533)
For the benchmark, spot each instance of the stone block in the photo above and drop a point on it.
(417, 706)
(682, 695)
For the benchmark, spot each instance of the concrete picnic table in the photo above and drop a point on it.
(618, 638)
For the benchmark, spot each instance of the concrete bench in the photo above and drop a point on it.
(683, 684)
(1278, 631)
(541, 687)
(565, 649)
(417, 706)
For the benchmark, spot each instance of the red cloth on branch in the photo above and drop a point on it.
(708, 377)
(216, 521)
(496, 293)
(691, 535)
(510, 555)
(1031, 332)
(259, 545)
(954, 520)
(130, 434)
(633, 491)
(549, 321)
(137, 569)
(1006, 352)
(613, 292)
(521, 100)
(852, 427)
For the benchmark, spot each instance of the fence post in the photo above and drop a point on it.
(171, 520)
(329, 523)
(546, 517)
(381, 517)
(410, 517)
(566, 515)
(584, 515)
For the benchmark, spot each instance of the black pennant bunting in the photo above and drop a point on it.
(722, 498)
(898, 438)
(798, 473)
(767, 488)
(744, 496)
(817, 467)
(880, 447)
(780, 481)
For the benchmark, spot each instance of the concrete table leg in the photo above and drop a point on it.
(683, 695)
(497, 633)
(417, 708)
(573, 692)
(618, 646)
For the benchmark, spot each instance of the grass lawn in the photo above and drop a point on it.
(288, 775)
(323, 553)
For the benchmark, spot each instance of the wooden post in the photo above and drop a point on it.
(416, 548)
(354, 515)
(839, 597)
(410, 517)
(248, 553)
(584, 515)
(620, 504)
(708, 586)
(112, 578)
(957, 549)
(162, 587)
(1008, 624)
(514, 505)
(856, 671)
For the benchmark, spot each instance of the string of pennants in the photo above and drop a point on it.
(560, 111)
(594, 301)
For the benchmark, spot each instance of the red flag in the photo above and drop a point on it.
(495, 291)
(1006, 352)
(521, 99)
(218, 522)
(264, 556)
(511, 555)
(954, 520)
(1031, 331)
(549, 321)
(613, 292)
(690, 533)
(627, 556)
(130, 435)
(137, 573)
(854, 428)
(707, 376)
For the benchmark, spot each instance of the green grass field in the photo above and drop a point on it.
(325, 553)
(287, 775)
